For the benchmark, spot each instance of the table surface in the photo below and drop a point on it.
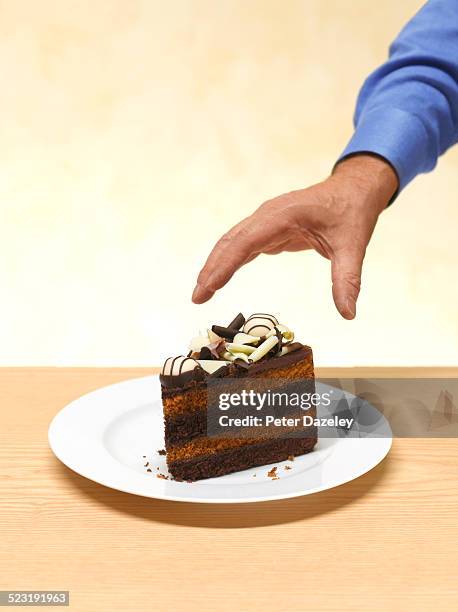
(386, 541)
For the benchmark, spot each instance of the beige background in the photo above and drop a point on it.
(133, 133)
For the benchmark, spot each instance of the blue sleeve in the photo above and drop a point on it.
(407, 110)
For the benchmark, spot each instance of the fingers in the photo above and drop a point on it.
(240, 245)
(346, 269)
(201, 294)
(230, 252)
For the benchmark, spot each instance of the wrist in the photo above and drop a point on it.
(371, 175)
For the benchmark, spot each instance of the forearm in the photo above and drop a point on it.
(407, 110)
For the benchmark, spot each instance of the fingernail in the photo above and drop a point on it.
(195, 293)
(351, 307)
(201, 294)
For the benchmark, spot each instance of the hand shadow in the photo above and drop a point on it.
(229, 516)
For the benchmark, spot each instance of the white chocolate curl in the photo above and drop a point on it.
(263, 349)
(242, 338)
(242, 356)
(287, 334)
(178, 365)
(233, 348)
(198, 342)
(212, 337)
(211, 365)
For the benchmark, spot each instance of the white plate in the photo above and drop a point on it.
(106, 434)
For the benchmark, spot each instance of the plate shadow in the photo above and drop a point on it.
(230, 516)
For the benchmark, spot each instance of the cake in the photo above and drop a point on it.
(257, 354)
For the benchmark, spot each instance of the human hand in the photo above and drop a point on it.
(336, 218)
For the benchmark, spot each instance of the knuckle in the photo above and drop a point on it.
(226, 238)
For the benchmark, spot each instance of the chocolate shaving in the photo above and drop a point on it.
(216, 348)
(280, 338)
(162, 476)
(205, 353)
(242, 364)
(224, 332)
(288, 467)
(237, 322)
(149, 470)
(161, 452)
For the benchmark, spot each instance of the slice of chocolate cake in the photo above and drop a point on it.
(238, 399)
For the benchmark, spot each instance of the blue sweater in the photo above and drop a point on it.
(407, 110)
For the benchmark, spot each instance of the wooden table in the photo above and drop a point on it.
(386, 541)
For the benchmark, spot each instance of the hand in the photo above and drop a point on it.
(336, 218)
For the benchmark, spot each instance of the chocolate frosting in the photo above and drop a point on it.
(183, 379)
(238, 368)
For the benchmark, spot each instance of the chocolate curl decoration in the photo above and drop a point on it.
(242, 364)
(277, 349)
(234, 327)
(224, 332)
(237, 322)
(205, 353)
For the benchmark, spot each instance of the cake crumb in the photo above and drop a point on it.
(288, 467)
(272, 473)
(290, 457)
(163, 476)
(146, 464)
(149, 470)
(161, 452)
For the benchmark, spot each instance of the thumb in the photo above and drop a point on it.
(346, 268)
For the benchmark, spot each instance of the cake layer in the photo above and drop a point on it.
(202, 417)
(235, 458)
(203, 446)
